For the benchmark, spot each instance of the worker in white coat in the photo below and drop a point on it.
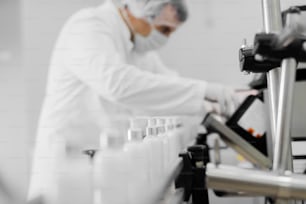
(104, 70)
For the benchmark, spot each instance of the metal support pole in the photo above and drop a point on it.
(280, 105)
(272, 16)
(272, 21)
(282, 154)
(237, 143)
(256, 182)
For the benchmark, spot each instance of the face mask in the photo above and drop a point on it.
(153, 41)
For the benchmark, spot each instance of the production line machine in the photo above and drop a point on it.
(272, 176)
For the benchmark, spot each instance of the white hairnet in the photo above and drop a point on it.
(152, 9)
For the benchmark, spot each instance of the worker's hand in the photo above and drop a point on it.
(227, 98)
(242, 93)
(224, 96)
(211, 107)
(215, 110)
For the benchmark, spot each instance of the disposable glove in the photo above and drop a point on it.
(227, 98)
(224, 96)
(211, 107)
(215, 110)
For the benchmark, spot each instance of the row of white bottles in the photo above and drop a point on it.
(136, 171)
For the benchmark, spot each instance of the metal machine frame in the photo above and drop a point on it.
(280, 183)
(272, 179)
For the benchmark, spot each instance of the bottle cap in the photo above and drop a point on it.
(160, 123)
(135, 135)
(169, 124)
(151, 128)
(161, 129)
(151, 131)
(139, 124)
(151, 122)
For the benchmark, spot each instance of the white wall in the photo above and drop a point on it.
(207, 46)
(13, 144)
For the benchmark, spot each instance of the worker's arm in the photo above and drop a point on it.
(92, 57)
(159, 66)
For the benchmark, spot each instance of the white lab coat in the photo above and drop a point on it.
(96, 82)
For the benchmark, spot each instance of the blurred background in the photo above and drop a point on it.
(205, 48)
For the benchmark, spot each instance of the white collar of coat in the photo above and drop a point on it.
(125, 32)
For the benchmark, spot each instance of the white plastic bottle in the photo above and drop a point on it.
(138, 165)
(162, 135)
(173, 132)
(110, 172)
(155, 146)
(139, 123)
(171, 139)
